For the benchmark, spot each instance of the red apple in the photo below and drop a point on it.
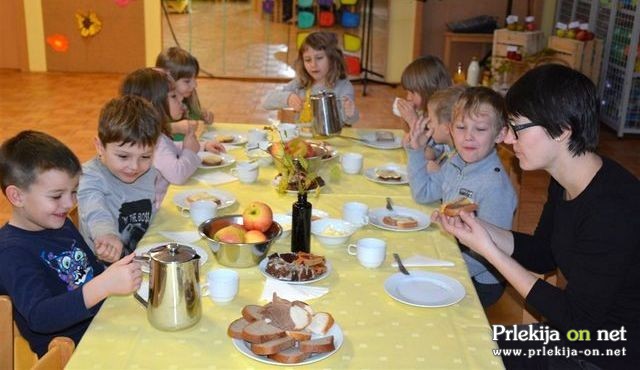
(257, 216)
(254, 236)
(231, 234)
(582, 35)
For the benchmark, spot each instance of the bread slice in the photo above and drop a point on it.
(273, 346)
(252, 312)
(225, 139)
(260, 331)
(319, 345)
(299, 335)
(300, 317)
(463, 204)
(236, 328)
(321, 323)
(212, 160)
(304, 305)
(202, 195)
(291, 355)
(387, 174)
(385, 136)
(402, 222)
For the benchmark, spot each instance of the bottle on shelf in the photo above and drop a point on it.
(473, 72)
(459, 77)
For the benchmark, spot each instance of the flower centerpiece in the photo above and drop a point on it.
(297, 163)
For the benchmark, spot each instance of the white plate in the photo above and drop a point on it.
(338, 339)
(263, 269)
(226, 198)
(370, 141)
(140, 250)
(424, 289)
(238, 139)
(376, 215)
(371, 174)
(227, 159)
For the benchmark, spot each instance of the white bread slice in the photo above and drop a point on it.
(252, 312)
(260, 331)
(318, 345)
(321, 323)
(237, 327)
(291, 355)
(300, 317)
(273, 346)
(299, 335)
(305, 306)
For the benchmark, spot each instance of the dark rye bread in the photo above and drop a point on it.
(291, 355)
(252, 312)
(272, 346)
(237, 327)
(260, 331)
(319, 345)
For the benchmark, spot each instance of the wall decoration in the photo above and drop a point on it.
(58, 42)
(88, 24)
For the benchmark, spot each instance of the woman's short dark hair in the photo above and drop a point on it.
(558, 98)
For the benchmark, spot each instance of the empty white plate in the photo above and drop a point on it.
(424, 289)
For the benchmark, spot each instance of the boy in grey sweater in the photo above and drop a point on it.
(474, 172)
(117, 189)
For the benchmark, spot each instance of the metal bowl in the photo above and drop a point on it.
(237, 254)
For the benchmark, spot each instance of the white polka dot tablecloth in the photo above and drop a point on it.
(379, 331)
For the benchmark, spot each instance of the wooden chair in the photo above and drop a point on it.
(73, 215)
(14, 349)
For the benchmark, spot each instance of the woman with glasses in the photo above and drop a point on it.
(589, 230)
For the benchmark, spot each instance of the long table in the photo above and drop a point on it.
(379, 332)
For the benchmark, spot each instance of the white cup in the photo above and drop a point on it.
(288, 131)
(202, 210)
(395, 109)
(370, 251)
(221, 285)
(351, 163)
(246, 171)
(355, 213)
(255, 136)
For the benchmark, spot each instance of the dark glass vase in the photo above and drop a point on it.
(301, 225)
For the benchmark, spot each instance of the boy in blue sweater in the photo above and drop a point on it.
(54, 280)
(474, 172)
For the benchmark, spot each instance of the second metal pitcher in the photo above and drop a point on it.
(326, 116)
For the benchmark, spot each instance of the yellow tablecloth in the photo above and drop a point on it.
(379, 332)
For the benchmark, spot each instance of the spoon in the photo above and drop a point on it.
(400, 265)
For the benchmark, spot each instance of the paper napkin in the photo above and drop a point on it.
(181, 236)
(422, 261)
(215, 178)
(291, 292)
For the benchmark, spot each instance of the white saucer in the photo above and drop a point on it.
(371, 174)
(424, 289)
(226, 198)
(227, 159)
(238, 139)
(377, 214)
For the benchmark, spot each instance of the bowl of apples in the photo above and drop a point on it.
(241, 240)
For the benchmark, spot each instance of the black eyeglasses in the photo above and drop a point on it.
(516, 128)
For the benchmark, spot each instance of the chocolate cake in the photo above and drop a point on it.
(295, 267)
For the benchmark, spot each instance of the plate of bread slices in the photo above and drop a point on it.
(230, 138)
(285, 333)
(380, 139)
(391, 174)
(222, 198)
(295, 268)
(213, 160)
(400, 219)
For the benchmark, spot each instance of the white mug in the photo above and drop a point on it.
(355, 213)
(221, 285)
(395, 109)
(255, 136)
(246, 171)
(351, 162)
(370, 251)
(202, 210)
(288, 131)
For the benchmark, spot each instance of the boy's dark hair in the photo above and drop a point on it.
(129, 120)
(470, 103)
(179, 63)
(558, 98)
(425, 76)
(29, 153)
(327, 41)
(153, 84)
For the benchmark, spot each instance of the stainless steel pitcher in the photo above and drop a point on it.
(326, 116)
(174, 288)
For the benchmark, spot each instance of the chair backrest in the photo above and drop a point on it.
(57, 356)
(6, 333)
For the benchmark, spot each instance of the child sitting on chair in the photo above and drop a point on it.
(54, 280)
(116, 197)
(474, 172)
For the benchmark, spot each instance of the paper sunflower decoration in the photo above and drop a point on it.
(88, 24)
(58, 42)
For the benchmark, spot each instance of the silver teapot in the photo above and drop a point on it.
(326, 116)
(174, 289)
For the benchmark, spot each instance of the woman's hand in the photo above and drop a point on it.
(348, 107)
(419, 134)
(407, 112)
(295, 102)
(467, 229)
(214, 147)
(108, 247)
